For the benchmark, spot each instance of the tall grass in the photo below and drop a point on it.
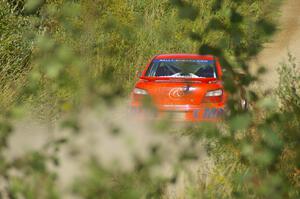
(118, 37)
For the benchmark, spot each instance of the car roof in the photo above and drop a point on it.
(184, 56)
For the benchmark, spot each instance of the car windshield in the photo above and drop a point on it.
(182, 68)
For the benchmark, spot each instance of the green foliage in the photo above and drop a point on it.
(289, 87)
(112, 46)
(288, 94)
(34, 180)
(58, 58)
(113, 184)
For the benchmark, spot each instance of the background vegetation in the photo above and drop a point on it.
(61, 57)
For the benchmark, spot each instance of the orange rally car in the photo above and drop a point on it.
(186, 86)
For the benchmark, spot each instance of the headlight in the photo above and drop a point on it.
(214, 93)
(139, 91)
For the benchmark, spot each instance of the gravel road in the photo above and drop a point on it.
(286, 40)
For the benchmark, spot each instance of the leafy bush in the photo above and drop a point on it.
(288, 90)
(288, 93)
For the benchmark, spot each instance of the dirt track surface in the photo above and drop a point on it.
(286, 40)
